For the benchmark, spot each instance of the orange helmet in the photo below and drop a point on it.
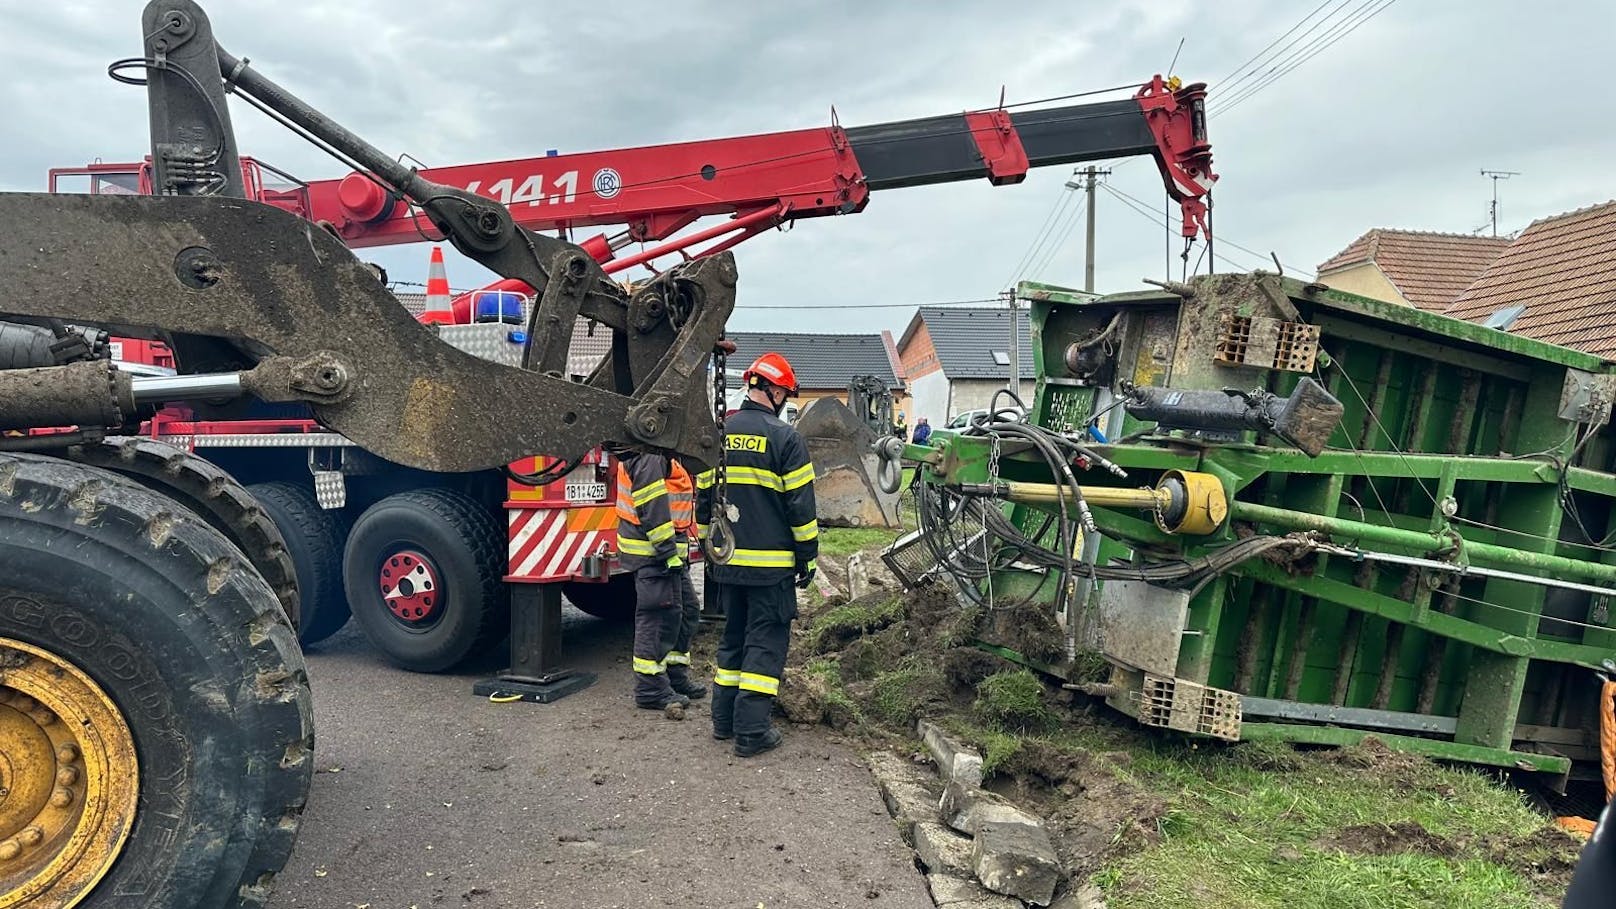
(773, 369)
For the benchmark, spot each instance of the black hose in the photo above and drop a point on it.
(25, 346)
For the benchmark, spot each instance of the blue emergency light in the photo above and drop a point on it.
(497, 306)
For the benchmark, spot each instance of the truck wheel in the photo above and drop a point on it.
(423, 570)
(612, 600)
(155, 724)
(208, 492)
(314, 538)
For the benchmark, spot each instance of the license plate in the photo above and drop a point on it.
(586, 492)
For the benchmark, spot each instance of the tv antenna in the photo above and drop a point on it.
(1497, 175)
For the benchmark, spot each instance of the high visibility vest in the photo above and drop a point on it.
(681, 496)
(625, 497)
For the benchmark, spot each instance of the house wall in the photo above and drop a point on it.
(928, 397)
(1365, 280)
(973, 394)
(919, 356)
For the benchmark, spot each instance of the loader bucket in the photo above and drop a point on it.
(841, 447)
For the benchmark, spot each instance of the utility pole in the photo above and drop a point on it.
(1015, 346)
(1088, 241)
(1497, 175)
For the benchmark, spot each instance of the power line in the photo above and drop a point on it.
(1339, 32)
(1064, 234)
(1143, 208)
(816, 306)
(1224, 82)
(1285, 64)
(1061, 202)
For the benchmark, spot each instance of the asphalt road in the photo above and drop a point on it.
(428, 796)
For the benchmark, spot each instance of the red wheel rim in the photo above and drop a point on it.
(409, 586)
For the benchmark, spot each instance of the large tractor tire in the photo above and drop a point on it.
(155, 725)
(314, 540)
(211, 494)
(424, 573)
(612, 600)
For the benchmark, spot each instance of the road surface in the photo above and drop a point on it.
(427, 796)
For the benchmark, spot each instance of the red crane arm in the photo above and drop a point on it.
(765, 180)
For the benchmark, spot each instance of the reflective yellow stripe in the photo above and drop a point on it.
(762, 684)
(802, 533)
(631, 546)
(764, 558)
(647, 493)
(660, 533)
(706, 479)
(676, 658)
(647, 667)
(754, 476)
(674, 562)
(729, 678)
(798, 478)
(701, 531)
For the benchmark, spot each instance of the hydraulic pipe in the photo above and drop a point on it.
(1183, 502)
(1420, 541)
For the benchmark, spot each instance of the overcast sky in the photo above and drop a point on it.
(1387, 127)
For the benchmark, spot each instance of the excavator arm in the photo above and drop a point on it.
(309, 322)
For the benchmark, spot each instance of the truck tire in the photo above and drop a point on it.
(314, 539)
(155, 703)
(424, 574)
(613, 600)
(210, 493)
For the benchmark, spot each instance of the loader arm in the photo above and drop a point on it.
(304, 321)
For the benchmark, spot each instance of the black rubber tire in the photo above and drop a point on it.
(314, 540)
(612, 601)
(467, 543)
(173, 622)
(209, 492)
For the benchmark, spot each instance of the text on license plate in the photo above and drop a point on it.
(586, 492)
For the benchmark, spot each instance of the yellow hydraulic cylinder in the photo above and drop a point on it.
(1183, 502)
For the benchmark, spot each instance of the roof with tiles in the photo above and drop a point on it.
(1429, 269)
(820, 361)
(972, 342)
(1564, 270)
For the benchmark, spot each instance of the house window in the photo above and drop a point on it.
(1001, 357)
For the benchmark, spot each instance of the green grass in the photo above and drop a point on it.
(1237, 835)
(898, 697)
(842, 542)
(1013, 701)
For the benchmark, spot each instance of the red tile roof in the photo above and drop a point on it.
(1429, 269)
(1564, 269)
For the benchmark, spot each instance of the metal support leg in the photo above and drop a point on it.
(536, 673)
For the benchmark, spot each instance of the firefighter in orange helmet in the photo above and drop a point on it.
(769, 494)
(655, 523)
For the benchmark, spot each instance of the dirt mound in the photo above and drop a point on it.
(1374, 755)
(1390, 839)
(1546, 858)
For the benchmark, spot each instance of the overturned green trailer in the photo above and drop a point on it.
(1253, 508)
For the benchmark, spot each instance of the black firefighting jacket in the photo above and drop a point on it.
(654, 512)
(770, 483)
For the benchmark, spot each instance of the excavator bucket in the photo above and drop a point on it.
(842, 449)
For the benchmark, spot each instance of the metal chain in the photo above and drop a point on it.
(720, 522)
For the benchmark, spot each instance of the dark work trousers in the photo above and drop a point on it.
(666, 610)
(751, 655)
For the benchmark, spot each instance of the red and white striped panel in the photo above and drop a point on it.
(544, 546)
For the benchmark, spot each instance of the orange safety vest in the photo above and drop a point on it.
(681, 496)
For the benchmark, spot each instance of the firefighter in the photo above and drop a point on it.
(655, 523)
(769, 490)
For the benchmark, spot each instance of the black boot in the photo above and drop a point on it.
(685, 685)
(662, 703)
(749, 745)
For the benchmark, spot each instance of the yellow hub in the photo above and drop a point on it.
(68, 780)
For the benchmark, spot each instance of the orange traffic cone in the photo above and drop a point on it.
(437, 309)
